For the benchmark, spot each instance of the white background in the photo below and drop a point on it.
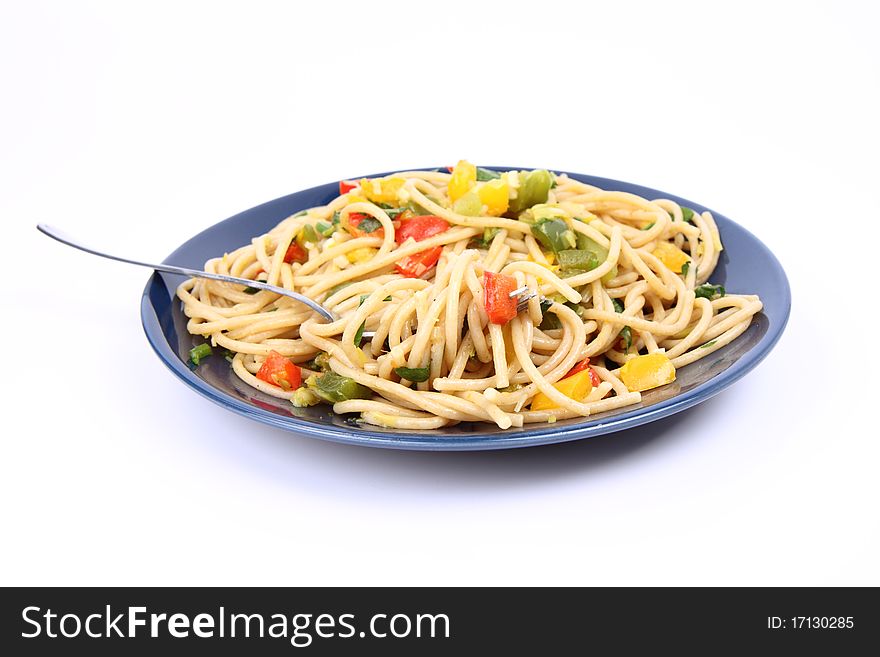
(134, 126)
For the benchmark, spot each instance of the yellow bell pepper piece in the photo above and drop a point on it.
(494, 195)
(577, 387)
(357, 256)
(381, 190)
(646, 372)
(671, 256)
(464, 176)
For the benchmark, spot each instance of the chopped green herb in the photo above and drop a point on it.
(228, 355)
(549, 321)
(369, 224)
(554, 183)
(513, 387)
(301, 213)
(198, 353)
(336, 288)
(649, 226)
(486, 174)
(336, 217)
(359, 335)
(324, 228)
(687, 214)
(414, 374)
(710, 292)
(626, 331)
(708, 344)
(576, 307)
(627, 336)
(388, 298)
(252, 290)
(685, 267)
(391, 210)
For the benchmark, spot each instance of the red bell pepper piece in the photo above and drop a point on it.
(279, 371)
(295, 253)
(580, 367)
(419, 228)
(500, 307)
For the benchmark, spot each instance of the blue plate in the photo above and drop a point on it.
(746, 266)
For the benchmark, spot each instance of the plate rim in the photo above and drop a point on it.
(541, 434)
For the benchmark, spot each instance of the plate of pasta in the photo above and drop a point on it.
(473, 308)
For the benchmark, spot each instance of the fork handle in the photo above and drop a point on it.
(56, 234)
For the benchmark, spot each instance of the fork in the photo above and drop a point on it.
(523, 294)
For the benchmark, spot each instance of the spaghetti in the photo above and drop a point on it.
(432, 265)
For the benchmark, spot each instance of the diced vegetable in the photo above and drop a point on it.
(671, 256)
(600, 252)
(358, 256)
(646, 372)
(421, 228)
(469, 205)
(414, 374)
(500, 307)
(710, 292)
(464, 177)
(486, 174)
(332, 388)
(382, 190)
(252, 290)
(582, 366)
(295, 253)
(198, 353)
(304, 397)
(494, 195)
(534, 188)
(577, 387)
(685, 268)
(485, 241)
(321, 362)
(687, 214)
(575, 260)
(280, 371)
(345, 186)
(324, 228)
(416, 265)
(554, 234)
(307, 234)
